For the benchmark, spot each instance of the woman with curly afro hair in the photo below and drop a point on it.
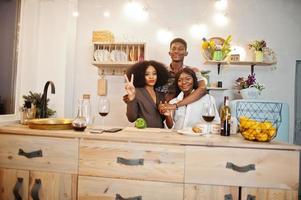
(143, 100)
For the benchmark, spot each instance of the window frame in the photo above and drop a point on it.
(15, 117)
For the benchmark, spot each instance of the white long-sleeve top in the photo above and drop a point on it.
(187, 116)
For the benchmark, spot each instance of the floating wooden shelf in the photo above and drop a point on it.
(112, 64)
(251, 63)
(216, 88)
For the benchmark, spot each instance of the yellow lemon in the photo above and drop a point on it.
(266, 125)
(249, 134)
(262, 137)
(255, 126)
(250, 123)
(271, 132)
(243, 121)
(205, 44)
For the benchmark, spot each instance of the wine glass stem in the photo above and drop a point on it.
(209, 128)
(103, 123)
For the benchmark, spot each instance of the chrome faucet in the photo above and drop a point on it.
(44, 98)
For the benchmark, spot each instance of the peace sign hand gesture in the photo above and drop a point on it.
(129, 87)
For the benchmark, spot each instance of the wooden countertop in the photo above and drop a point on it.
(154, 136)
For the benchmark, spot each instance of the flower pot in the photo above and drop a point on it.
(249, 93)
(258, 56)
(218, 55)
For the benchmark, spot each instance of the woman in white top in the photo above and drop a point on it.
(186, 116)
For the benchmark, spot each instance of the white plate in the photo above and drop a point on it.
(96, 55)
(118, 56)
(189, 132)
(103, 55)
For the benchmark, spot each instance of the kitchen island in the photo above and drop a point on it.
(143, 164)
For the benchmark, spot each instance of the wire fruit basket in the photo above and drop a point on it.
(259, 121)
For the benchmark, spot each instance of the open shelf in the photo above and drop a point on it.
(250, 63)
(115, 58)
(217, 88)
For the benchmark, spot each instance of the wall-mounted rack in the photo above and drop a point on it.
(250, 63)
(115, 58)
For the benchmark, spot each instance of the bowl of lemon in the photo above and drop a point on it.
(256, 130)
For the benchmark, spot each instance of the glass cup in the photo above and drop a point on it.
(103, 109)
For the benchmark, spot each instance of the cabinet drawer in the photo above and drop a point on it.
(92, 188)
(133, 161)
(271, 168)
(210, 192)
(39, 153)
(269, 194)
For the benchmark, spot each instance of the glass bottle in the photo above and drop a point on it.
(80, 122)
(87, 109)
(225, 114)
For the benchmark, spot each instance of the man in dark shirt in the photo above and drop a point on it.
(177, 52)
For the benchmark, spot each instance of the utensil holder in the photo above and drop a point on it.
(27, 114)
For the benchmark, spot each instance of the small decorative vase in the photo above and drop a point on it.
(249, 93)
(218, 55)
(258, 56)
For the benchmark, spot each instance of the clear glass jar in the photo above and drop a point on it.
(80, 122)
(87, 109)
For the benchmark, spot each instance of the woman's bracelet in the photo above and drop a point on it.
(176, 106)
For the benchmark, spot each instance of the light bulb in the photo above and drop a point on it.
(221, 19)
(198, 31)
(107, 14)
(164, 36)
(75, 14)
(135, 11)
(221, 4)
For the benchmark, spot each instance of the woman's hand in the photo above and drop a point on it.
(163, 110)
(130, 88)
(170, 106)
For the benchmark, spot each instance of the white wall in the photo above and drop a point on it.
(48, 51)
(47, 27)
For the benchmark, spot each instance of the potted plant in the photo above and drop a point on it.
(249, 88)
(36, 100)
(257, 46)
(216, 48)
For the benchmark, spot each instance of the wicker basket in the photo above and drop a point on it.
(103, 36)
(259, 121)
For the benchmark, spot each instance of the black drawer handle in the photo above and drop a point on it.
(234, 167)
(35, 189)
(32, 154)
(119, 197)
(228, 197)
(251, 197)
(130, 161)
(17, 188)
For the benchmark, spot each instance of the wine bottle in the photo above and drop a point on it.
(225, 114)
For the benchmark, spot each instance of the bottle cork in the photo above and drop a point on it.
(86, 96)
